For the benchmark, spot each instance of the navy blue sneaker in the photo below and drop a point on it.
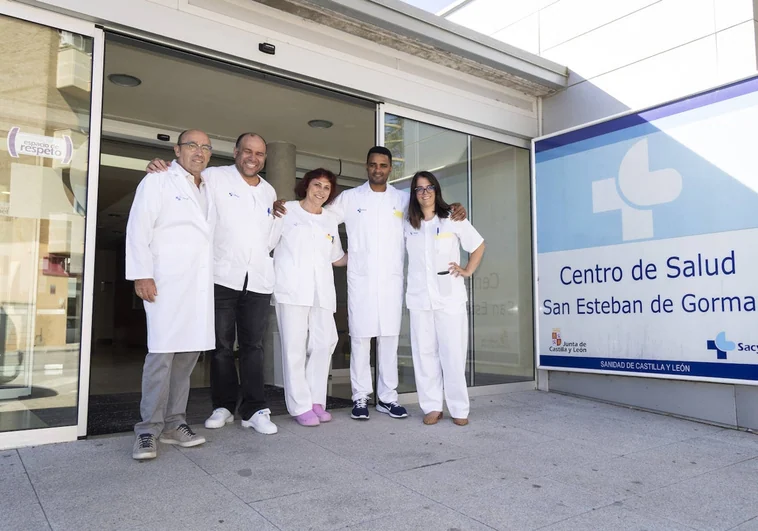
(393, 409)
(360, 409)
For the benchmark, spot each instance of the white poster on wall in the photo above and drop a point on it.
(39, 146)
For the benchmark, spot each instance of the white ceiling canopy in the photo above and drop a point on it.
(413, 30)
(180, 91)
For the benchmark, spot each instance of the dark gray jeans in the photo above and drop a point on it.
(247, 313)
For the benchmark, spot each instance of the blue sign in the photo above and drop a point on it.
(647, 240)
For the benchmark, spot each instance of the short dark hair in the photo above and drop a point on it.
(380, 150)
(302, 185)
(254, 135)
(441, 208)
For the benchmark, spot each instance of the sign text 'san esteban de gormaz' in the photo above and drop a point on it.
(647, 241)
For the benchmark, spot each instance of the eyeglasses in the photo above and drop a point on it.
(428, 188)
(194, 146)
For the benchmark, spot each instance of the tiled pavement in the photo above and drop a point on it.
(528, 460)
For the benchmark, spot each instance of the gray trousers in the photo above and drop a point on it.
(165, 388)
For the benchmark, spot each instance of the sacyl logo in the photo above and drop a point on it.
(721, 345)
(634, 191)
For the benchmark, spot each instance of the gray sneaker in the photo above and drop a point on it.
(182, 436)
(145, 447)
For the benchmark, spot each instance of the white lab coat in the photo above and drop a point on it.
(306, 245)
(374, 222)
(431, 248)
(169, 238)
(243, 228)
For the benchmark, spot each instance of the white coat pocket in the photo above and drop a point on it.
(172, 262)
(445, 284)
(357, 262)
(444, 245)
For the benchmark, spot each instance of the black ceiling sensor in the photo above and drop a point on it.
(164, 137)
(268, 48)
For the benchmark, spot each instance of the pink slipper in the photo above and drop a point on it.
(308, 418)
(323, 415)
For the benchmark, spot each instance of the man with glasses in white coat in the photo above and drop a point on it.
(169, 255)
(244, 280)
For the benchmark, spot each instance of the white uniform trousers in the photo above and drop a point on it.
(439, 341)
(309, 336)
(360, 367)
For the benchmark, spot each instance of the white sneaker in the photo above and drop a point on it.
(219, 418)
(261, 422)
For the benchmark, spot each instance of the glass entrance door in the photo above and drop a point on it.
(491, 179)
(45, 101)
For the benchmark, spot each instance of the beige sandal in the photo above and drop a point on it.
(460, 422)
(432, 417)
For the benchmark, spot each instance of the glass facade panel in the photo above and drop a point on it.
(501, 296)
(418, 146)
(496, 178)
(44, 122)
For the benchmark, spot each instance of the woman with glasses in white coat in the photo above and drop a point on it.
(307, 245)
(436, 298)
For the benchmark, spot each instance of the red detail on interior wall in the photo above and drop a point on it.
(54, 265)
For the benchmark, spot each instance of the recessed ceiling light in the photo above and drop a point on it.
(124, 80)
(320, 124)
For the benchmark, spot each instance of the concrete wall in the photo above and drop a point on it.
(625, 54)
(630, 55)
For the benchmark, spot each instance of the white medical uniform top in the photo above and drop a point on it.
(306, 245)
(431, 248)
(243, 229)
(169, 238)
(374, 222)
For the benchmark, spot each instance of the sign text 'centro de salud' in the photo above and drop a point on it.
(647, 241)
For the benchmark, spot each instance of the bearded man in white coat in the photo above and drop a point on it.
(169, 255)
(373, 214)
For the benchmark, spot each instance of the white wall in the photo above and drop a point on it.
(632, 54)
(624, 54)
(307, 50)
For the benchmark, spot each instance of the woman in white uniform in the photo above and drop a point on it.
(307, 245)
(436, 298)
